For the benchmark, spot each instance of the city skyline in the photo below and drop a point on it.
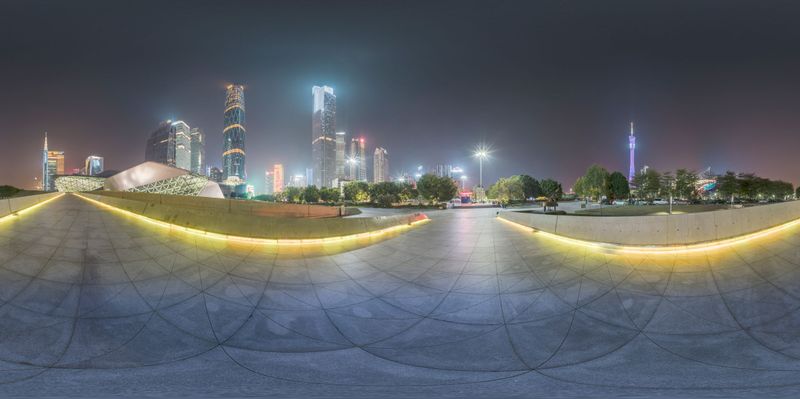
(424, 112)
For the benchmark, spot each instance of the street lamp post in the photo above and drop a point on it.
(482, 154)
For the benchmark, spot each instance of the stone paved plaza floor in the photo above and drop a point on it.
(94, 303)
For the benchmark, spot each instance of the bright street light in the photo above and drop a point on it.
(481, 152)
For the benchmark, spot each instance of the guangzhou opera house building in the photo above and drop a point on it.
(148, 177)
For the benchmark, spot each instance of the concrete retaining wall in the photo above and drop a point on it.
(11, 205)
(254, 208)
(248, 224)
(683, 229)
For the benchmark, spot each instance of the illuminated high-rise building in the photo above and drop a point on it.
(277, 178)
(52, 165)
(216, 174)
(380, 168)
(198, 151)
(443, 170)
(323, 141)
(43, 182)
(358, 159)
(340, 156)
(170, 144)
(93, 165)
(352, 160)
(632, 145)
(269, 182)
(161, 145)
(183, 145)
(233, 135)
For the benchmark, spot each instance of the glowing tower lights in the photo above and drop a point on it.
(632, 146)
(233, 133)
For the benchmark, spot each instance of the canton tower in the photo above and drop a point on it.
(632, 145)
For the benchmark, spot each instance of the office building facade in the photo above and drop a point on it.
(358, 160)
(161, 145)
(269, 182)
(380, 168)
(52, 165)
(278, 179)
(93, 165)
(198, 152)
(341, 172)
(183, 145)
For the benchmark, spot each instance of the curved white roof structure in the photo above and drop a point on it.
(153, 177)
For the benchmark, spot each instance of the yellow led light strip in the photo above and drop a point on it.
(235, 125)
(30, 208)
(254, 240)
(665, 249)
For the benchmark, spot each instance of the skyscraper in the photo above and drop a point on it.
(93, 165)
(52, 165)
(380, 165)
(357, 160)
(352, 160)
(340, 156)
(43, 183)
(183, 145)
(632, 145)
(277, 173)
(233, 134)
(443, 170)
(215, 174)
(198, 151)
(269, 182)
(161, 145)
(323, 128)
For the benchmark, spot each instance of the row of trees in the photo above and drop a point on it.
(598, 182)
(748, 186)
(430, 188)
(650, 184)
(522, 187)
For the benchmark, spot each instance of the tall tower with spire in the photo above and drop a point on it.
(632, 146)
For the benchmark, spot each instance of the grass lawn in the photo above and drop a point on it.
(641, 210)
(11, 192)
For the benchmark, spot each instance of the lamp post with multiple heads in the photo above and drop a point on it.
(481, 152)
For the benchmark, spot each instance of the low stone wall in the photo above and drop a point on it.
(190, 213)
(683, 229)
(253, 208)
(16, 204)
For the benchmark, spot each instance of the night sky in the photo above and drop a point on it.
(551, 85)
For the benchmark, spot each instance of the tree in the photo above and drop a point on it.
(506, 190)
(552, 189)
(329, 194)
(530, 186)
(436, 189)
(357, 191)
(311, 194)
(265, 197)
(748, 185)
(385, 193)
(617, 186)
(594, 181)
(408, 192)
(648, 184)
(686, 183)
(727, 185)
(291, 194)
